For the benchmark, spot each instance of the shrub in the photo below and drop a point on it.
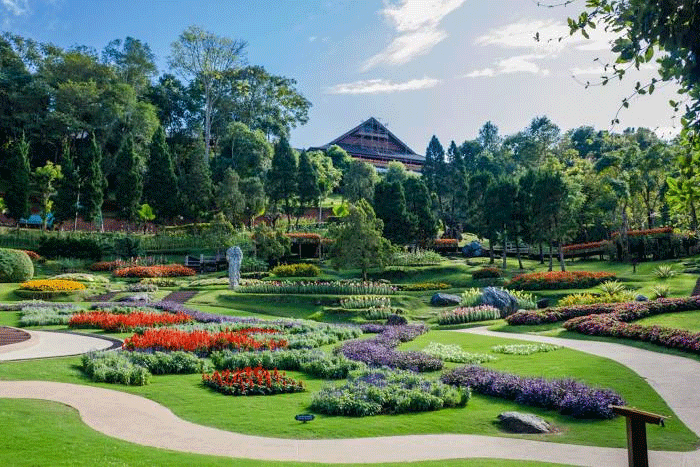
(469, 314)
(415, 258)
(612, 287)
(420, 286)
(396, 320)
(209, 282)
(169, 363)
(166, 270)
(75, 246)
(471, 297)
(159, 281)
(523, 349)
(565, 395)
(487, 273)
(454, 353)
(559, 280)
(110, 265)
(660, 291)
(380, 312)
(52, 285)
(374, 392)
(318, 287)
(365, 301)
(251, 381)
(592, 299)
(140, 287)
(82, 277)
(664, 271)
(296, 270)
(15, 266)
(112, 367)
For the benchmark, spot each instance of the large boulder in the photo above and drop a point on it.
(641, 298)
(445, 299)
(516, 422)
(472, 249)
(500, 299)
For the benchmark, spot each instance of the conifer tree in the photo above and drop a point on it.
(93, 183)
(457, 185)
(196, 185)
(390, 207)
(434, 156)
(160, 185)
(129, 181)
(307, 184)
(282, 177)
(68, 196)
(419, 208)
(17, 195)
(229, 198)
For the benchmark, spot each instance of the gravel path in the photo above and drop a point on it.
(44, 344)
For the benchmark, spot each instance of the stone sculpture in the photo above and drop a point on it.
(234, 256)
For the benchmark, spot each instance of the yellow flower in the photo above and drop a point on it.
(52, 285)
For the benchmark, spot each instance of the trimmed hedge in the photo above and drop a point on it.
(296, 270)
(15, 266)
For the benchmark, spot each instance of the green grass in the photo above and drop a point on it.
(48, 433)
(689, 320)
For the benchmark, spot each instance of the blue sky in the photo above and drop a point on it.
(423, 67)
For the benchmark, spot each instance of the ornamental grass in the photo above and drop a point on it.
(166, 270)
(251, 382)
(318, 287)
(202, 342)
(113, 322)
(469, 314)
(52, 285)
(559, 280)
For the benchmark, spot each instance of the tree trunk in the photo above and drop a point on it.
(561, 256)
(207, 125)
(492, 255)
(541, 254)
(505, 256)
(520, 260)
(551, 260)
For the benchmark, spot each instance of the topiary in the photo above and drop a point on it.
(15, 266)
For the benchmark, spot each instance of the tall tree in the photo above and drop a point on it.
(390, 207)
(44, 180)
(68, 195)
(358, 181)
(308, 191)
(434, 158)
(246, 150)
(341, 159)
(424, 225)
(160, 188)
(282, 178)
(229, 198)
(17, 195)
(253, 193)
(202, 55)
(93, 182)
(133, 60)
(195, 184)
(128, 180)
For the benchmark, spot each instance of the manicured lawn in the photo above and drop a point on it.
(689, 320)
(47, 433)
(274, 415)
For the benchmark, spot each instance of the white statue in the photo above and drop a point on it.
(234, 256)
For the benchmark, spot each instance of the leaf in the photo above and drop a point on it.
(649, 53)
(585, 34)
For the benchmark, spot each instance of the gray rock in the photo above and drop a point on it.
(445, 299)
(516, 422)
(641, 298)
(542, 303)
(500, 299)
(472, 250)
(139, 297)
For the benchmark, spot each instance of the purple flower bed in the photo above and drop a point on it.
(34, 304)
(372, 328)
(565, 395)
(380, 351)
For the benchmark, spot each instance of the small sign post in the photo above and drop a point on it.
(637, 452)
(304, 417)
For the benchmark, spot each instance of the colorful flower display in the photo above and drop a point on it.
(125, 322)
(166, 270)
(251, 381)
(202, 342)
(559, 280)
(52, 285)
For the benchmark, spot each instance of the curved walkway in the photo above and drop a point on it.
(44, 344)
(142, 421)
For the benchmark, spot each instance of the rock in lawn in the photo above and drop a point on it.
(500, 299)
(445, 299)
(516, 422)
(542, 303)
(641, 298)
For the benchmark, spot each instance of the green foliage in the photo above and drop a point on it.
(420, 286)
(454, 353)
(341, 159)
(524, 349)
(424, 224)
(17, 194)
(195, 185)
(487, 273)
(44, 179)
(296, 270)
(358, 241)
(358, 181)
(160, 188)
(65, 204)
(129, 182)
(228, 196)
(114, 367)
(390, 207)
(46, 315)
(94, 183)
(469, 314)
(664, 271)
(308, 191)
(364, 301)
(15, 266)
(415, 258)
(253, 195)
(282, 177)
(245, 150)
(270, 245)
(74, 246)
(145, 213)
(660, 291)
(612, 287)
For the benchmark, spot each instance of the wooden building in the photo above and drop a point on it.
(372, 142)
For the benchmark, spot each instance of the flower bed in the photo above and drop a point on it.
(46, 315)
(469, 314)
(251, 381)
(125, 322)
(377, 392)
(167, 270)
(364, 301)
(420, 286)
(641, 233)
(52, 285)
(296, 270)
(82, 277)
(318, 287)
(110, 265)
(302, 237)
(586, 246)
(454, 353)
(559, 280)
(523, 349)
(565, 395)
(202, 342)
(445, 243)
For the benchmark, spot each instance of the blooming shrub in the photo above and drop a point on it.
(559, 280)
(487, 273)
(375, 392)
(208, 282)
(446, 243)
(641, 233)
(318, 287)
(110, 265)
(166, 270)
(296, 270)
(251, 381)
(380, 312)
(469, 314)
(52, 285)
(125, 322)
(591, 299)
(139, 287)
(420, 286)
(159, 281)
(454, 353)
(523, 349)
(565, 395)
(202, 342)
(364, 301)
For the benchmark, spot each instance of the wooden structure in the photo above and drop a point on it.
(203, 263)
(637, 452)
(372, 142)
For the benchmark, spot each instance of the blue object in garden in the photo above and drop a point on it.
(35, 220)
(472, 250)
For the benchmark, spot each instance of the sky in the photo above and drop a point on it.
(422, 67)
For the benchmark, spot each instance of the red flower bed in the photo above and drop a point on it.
(641, 233)
(559, 280)
(251, 381)
(586, 246)
(202, 342)
(109, 265)
(125, 322)
(446, 243)
(167, 270)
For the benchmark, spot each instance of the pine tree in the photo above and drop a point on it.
(17, 195)
(434, 156)
(160, 185)
(93, 183)
(129, 181)
(307, 184)
(196, 185)
(229, 198)
(419, 208)
(282, 177)
(67, 198)
(457, 186)
(390, 207)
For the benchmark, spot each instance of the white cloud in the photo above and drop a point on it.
(381, 86)
(16, 7)
(417, 24)
(667, 132)
(312, 38)
(594, 70)
(517, 64)
(486, 72)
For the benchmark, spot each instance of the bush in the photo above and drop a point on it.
(664, 271)
(565, 395)
(169, 363)
(159, 281)
(296, 270)
(660, 291)
(82, 277)
(15, 266)
(420, 286)
(416, 258)
(591, 299)
(364, 301)
(75, 246)
(559, 280)
(374, 392)
(290, 360)
(140, 287)
(396, 320)
(33, 315)
(523, 349)
(487, 273)
(380, 312)
(469, 314)
(112, 367)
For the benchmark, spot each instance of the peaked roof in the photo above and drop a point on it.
(377, 123)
